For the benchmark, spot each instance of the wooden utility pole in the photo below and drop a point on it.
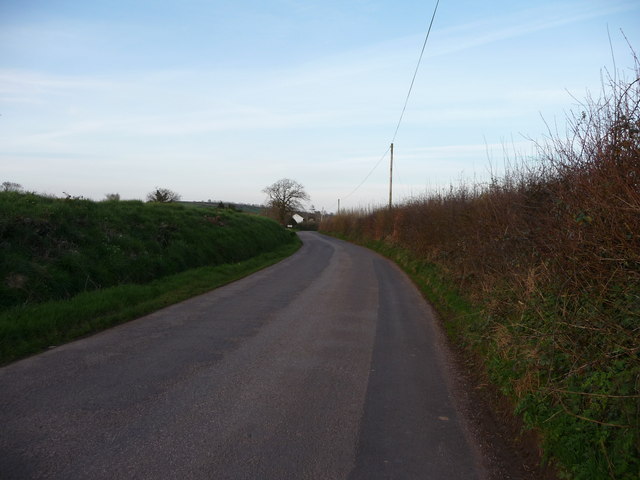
(391, 178)
(338, 206)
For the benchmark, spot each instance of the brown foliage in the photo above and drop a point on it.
(552, 252)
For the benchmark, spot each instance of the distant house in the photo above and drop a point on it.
(303, 221)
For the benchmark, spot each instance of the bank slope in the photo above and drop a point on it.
(71, 267)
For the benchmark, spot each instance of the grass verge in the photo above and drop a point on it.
(25, 330)
(576, 445)
(465, 324)
(550, 253)
(460, 315)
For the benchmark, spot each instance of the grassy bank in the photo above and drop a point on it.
(71, 267)
(538, 273)
(29, 329)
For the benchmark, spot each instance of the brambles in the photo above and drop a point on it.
(551, 252)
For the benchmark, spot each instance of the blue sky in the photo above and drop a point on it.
(218, 99)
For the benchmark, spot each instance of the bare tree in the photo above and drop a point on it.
(163, 195)
(112, 197)
(11, 187)
(285, 197)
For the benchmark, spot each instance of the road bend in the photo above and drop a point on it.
(327, 365)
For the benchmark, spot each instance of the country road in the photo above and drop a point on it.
(327, 365)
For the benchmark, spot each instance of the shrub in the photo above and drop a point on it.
(551, 252)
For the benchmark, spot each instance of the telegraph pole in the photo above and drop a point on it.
(338, 206)
(391, 178)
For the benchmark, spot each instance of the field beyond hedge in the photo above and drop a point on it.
(538, 274)
(62, 260)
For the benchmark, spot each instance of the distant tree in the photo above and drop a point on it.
(112, 197)
(284, 197)
(163, 195)
(11, 187)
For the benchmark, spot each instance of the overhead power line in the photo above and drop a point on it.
(404, 107)
(368, 174)
(415, 73)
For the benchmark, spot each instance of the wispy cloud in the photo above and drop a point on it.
(34, 87)
(513, 24)
(119, 97)
(190, 102)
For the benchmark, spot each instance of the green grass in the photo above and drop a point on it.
(580, 446)
(459, 314)
(69, 268)
(25, 330)
(53, 249)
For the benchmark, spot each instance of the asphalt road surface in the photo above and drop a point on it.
(327, 365)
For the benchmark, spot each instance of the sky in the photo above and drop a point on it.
(218, 99)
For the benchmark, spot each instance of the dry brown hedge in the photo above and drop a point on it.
(551, 252)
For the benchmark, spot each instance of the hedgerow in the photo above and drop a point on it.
(551, 255)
